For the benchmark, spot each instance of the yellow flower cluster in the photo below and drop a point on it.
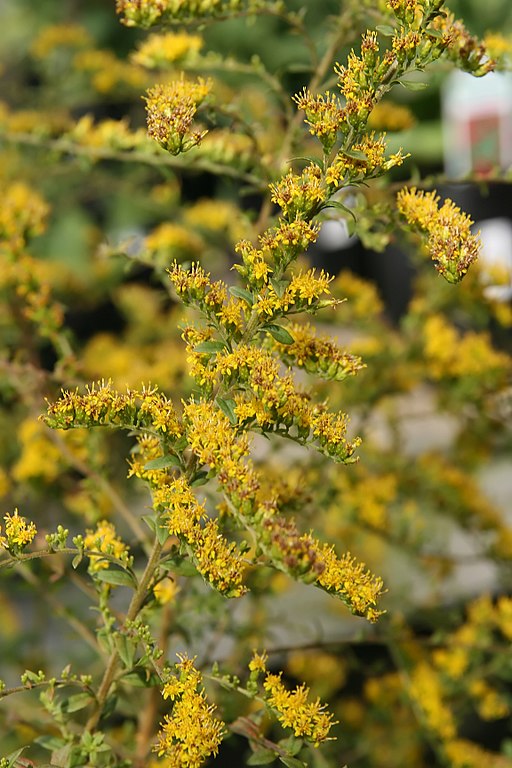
(108, 73)
(58, 36)
(171, 110)
(146, 13)
(103, 406)
(447, 231)
(350, 580)
(387, 116)
(318, 355)
(217, 216)
(324, 115)
(299, 196)
(308, 719)
(216, 559)
(18, 533)
(169, 242)
(104, 541)
(426, 692)
(365, 160)
(23, 215)
(191, 733)
(160, 51)
(107, 134)
(449, 354)
(466, 754)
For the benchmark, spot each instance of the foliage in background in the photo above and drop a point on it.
(167, 263)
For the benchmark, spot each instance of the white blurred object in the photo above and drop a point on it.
(496, 258)
(477, 123)
(334, 235)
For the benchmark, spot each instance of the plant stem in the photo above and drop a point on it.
(133, 610)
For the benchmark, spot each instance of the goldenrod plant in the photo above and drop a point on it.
(178, 478)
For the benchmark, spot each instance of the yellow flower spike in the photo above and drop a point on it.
(103, 540)
(308, 719)
(171, 109)
(191, 732)
(18, 532)
(447, 231)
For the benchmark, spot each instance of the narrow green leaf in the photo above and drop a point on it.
(162, 534)
(242, 293)
(432, 32)
(117, 577)
(210, 347)
(385, 29)
(262, 756)
(227, 406)
(77, 560)
(293, 762)
(51, 743)
(199, 478)
(181, 444)
(150, 522)
(163, 462)
(413, 85)
(279, 286)
(292, 745)
(279, 333)
(126, 649)
(356, 154)
(77, 702)
(139, 679)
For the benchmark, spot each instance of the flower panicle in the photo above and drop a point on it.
(446, 231)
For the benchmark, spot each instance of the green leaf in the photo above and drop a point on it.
(52, 743)
(139, 679)
(199, 478)
(292, 745)
(117, 577)
(13, 756)
(279, 333)
(385, 29)
(77, 560)
(340, 207)
(125, 648)
(77, 702)
(170, 460)
(432, 32)
(356, 154)
(150, 522)
(279, 286)
(293, 762)
(210, 347)
(162, 533)
(242, 293)
(262, 756)
(181, 444)
(227, 406)
(413, 85)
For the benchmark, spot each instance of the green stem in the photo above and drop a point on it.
(133, 610)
